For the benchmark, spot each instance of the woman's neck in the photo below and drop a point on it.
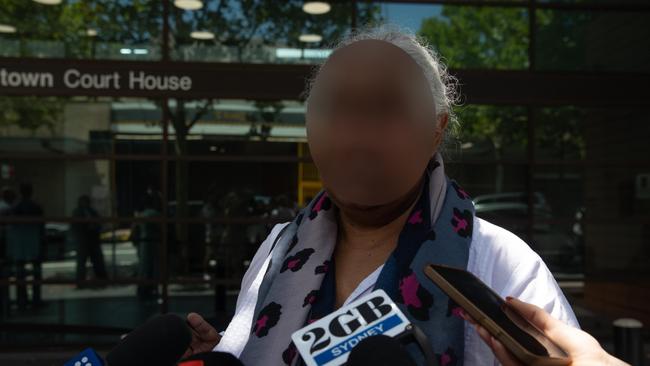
(361, 248)
(359, 251)
(379, 226)
(369, 237)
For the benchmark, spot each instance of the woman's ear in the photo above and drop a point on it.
(439, 132)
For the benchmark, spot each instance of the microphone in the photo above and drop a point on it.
(210, 359)
(160, 341)
(329, 340)
(379, 350)
(87, 357)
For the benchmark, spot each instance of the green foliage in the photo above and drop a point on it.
(479, 37)
(483, 38)
(560, 133)
(122, 21)
(501, 126)
(31, 113)
(565, 33)
(497, 38)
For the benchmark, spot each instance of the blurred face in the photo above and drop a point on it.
(371, 124)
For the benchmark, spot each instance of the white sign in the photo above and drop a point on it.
(328, 341)
(75, 79)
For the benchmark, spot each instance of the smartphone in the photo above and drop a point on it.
(518, 335)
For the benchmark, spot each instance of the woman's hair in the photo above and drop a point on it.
(443, 85)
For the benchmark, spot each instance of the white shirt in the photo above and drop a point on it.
(499, 258)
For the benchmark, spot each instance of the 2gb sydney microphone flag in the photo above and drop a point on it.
(328, 341)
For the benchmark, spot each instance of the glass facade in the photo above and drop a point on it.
(471, 37)
(154, 201)
(254, 32)
(114, 30)
(592, 41)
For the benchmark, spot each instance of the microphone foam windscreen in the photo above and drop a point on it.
(379, 350)
(211, 359)
(161, 341)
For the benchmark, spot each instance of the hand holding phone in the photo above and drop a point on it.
(521, 338)
(582, 348)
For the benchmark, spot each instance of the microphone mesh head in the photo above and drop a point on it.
(379, 350)
(160, 341)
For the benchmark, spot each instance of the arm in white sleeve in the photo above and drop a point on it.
(510, 267)
(236, 334)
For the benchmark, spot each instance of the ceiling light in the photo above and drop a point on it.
(125, 51)
(202, 35)
(316, 7)
(310, 38)
(140, 51)
(91, 32)
(6, 28)
(48, 2)
(302, 53)
(288, 53)
(188, 4)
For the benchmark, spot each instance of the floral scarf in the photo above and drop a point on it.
(298, 287)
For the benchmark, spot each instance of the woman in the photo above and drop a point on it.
(377, 114)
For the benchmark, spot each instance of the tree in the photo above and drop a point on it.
(31, 113)
(497, 38)
(182, 122)
(479, 37)
(244, 26)
(560, 133)
(504, 128)
(65, 28)
(59, 24)
(484, 38)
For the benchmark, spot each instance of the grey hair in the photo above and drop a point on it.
(443, 85)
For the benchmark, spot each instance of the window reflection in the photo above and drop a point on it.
(592, 41)
(198, 126)
(560, 133)
(79, 125)
(115, 310)
(158, 204)
(489, 132)
(227, 214)
(92, 29)
(465, 36)
(254, 32)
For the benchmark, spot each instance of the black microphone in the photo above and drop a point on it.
(211, 359)
(159, 342)
(379, 350)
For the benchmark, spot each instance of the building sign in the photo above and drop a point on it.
(74, 78)
(199, 80)
(69, 77)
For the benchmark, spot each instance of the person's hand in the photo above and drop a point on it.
(582, 348)
(204, 336)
